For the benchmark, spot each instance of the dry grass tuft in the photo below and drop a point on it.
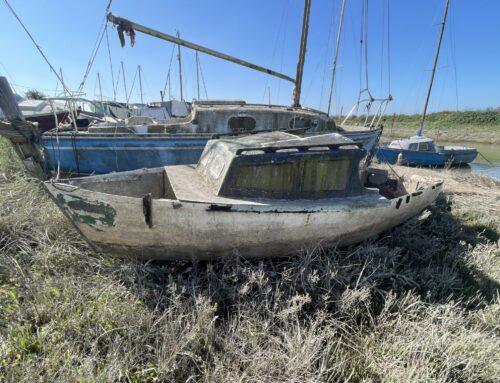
(420, 303)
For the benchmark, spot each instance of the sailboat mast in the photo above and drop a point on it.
(436, 57)
(198, 75)
(100, 87)
(302, 54)
(140, 83)
(180, 65)
(337, 46)
(124, 83)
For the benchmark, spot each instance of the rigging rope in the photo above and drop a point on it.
(275, 47)
(167, 80)
(96, 47)
(203, 79)
(326, 54)
(36, 45)
(133, 83)
(111, 65)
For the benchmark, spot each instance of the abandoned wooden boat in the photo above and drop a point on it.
(421, 151)
(143, 143)
(263, 195)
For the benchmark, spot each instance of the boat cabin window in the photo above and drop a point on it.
(421, 147)
(302, 122)
(242, 124)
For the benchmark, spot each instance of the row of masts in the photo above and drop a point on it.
(139, 72)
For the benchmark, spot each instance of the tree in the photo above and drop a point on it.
(33, 94)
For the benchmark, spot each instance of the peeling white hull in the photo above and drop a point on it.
(182, 230)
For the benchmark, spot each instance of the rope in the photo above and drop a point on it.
(111, 66)
(487, 160)
(133, 83)
(167, 80)
(36, 45)
(275, 47)
(203, 80)
(95, 49)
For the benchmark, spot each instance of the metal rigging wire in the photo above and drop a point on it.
(111, 65)
(375, 119)
(281, 25)
(36, 45)
(95, 49)
(167, 80)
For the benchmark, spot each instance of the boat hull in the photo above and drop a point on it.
(94, 154)
(46, 121)
(416, 158)
(172, 229)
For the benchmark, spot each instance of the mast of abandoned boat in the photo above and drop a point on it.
(180, 64)
(140, 83)
(127, 25)
(198, 74)
(125, 85)
(335, 56)
(302, 54)
(436, 58)
(100, 87)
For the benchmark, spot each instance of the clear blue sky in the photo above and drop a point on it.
(266, 33)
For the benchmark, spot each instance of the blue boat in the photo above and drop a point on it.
(113, 148)
(421, 151)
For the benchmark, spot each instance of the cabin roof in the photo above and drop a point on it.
(222, 162)
(405, 143)
(242, 105)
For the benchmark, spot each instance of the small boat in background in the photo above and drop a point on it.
(263, 195)
(421, 151)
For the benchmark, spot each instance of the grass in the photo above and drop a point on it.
(421, 303)
(482, 126)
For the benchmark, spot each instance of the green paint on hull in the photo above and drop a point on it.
(78, 208)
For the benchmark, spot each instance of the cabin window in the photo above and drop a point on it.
(325, 175)
(301, 123)
(242, 123)
(271, 178)
(421, 147)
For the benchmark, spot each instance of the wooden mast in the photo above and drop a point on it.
(436, 57)
(20, 133)
(128, 25)
(302, 54)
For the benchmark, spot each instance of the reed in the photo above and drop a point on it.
(420, 303)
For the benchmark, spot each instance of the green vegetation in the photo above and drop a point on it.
(422, 303)
(34, 94)
(470, 125)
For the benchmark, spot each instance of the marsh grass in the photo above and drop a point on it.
(467, 125)
(420, 303)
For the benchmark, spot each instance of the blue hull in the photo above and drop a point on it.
(101, 155)
(416, 158)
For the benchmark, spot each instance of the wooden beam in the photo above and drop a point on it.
(127, 26)
(8, 102)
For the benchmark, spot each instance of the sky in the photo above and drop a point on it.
(265, 33)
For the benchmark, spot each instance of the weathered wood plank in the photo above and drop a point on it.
(8, 102)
